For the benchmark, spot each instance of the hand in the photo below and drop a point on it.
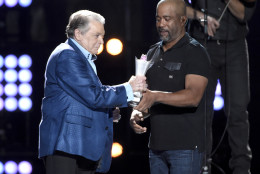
(213, 25)
(138, 83)
(136, 117)
(116, 115)
(147, 101)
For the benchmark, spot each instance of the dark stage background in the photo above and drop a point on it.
(38, 29)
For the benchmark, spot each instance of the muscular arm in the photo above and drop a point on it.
(195, 86)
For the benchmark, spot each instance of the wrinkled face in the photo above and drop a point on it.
(169, 25)
(93, 38)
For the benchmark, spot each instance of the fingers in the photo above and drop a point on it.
(138, 83)
(137, 128)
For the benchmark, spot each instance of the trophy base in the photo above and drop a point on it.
(133, 103)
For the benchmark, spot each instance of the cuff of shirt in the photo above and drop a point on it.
(129, 92)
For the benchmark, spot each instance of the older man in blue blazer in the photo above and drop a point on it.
(76, 130)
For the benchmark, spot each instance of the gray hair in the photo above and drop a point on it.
(80, 20)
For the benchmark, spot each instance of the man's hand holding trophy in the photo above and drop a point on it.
(141, 66)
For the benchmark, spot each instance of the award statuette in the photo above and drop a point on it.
(141, 66)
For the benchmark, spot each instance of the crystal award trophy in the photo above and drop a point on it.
(141, 66)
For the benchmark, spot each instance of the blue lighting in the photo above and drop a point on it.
(1, 105)
(25, 104)
(1, 57)
(1, 90)
(25, 75)
(25, 3)
(25, 61)
(218, 103)
(10, 61)
(10, 75)
(11, 3)
(10, 104)
(10, 167)
(1, 75)
(25, 89)
(1, 167)
(218, 89)
(25, 167)
(10, 89)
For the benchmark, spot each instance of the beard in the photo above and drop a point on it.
(164, 35)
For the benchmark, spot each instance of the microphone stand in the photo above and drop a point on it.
(205, 168)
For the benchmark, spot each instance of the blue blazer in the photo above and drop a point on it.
(76, 118)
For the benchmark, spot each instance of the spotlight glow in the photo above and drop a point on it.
(1, 75)
(1, 57)
(117, 150)
(10, 75)
(1, 167)
(114, 46)
(25, 3)
(11, 3)
(25, 89)
(218, 89)
(10, 61)
(25, 104)
(10, 167)
(1, 105)
(218, 103)
(1, 90)
(25, 75)
(25, 61)
(25, 167)
(101, 48)
(10, 89)
(10, 104)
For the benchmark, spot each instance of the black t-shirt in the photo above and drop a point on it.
(176, 128)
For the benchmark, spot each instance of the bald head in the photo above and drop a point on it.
(179, 6)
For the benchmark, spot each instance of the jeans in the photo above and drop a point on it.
(230, 65)
(175, 161)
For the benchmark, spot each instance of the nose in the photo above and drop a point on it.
(101, 40)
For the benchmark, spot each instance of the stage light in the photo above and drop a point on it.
(11, 61)
(114, 46)
(1, 60)
(1, 104)
(1, 2)
(1, 90)
(1, 76)
(25, 167)
(25, 61)
(218, 103)
(218, 89)
(10, 167)
(10, 75)
(25, 104)
(10, 104)
(25, 3)
(117, 150)
(25, 75)
(1, 167)
(11, 3)
(25, 89)
(101, 48)
(10, 89)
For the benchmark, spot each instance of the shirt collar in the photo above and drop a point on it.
(84, 51)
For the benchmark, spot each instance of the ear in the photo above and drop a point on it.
(77, 34)
(184, 20)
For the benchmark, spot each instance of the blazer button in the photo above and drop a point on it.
(106, 128)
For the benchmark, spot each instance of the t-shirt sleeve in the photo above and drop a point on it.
(198, 61)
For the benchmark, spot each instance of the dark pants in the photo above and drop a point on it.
(230, 65)
(63, 163)
(175, 161)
